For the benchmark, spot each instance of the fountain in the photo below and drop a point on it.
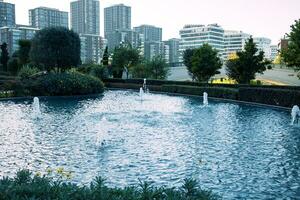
(141, 93)
(205, 98)
(146, 90)
(36, 107)
(295, 113)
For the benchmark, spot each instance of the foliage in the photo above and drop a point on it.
(140, 71)
(23, 53)
(55, 48)
(64, 84)
(187, 60)
(205, 63)
(28, 186)
(27, 71)
(157, 68)
(98, 71)
(124, 56)
(249, 62)
(4, 57)
(291, 55)
(13, 66)
(105, 59)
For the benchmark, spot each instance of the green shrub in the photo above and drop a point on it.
(13, 66)
(217, 92)
(27, 71)
(27, 186)
(65, 84)
(98, 71)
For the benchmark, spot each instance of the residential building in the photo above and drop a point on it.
(173, 45)
(234, 41)
(85, 16)
(274, 52)
(125, 36)
(85, 20)
(283, 43)
(43, 17)
(153, 49)
(12, 35)
(7, 14)
(195, 35)
(263, 44)
(151, 33)
(117, 17)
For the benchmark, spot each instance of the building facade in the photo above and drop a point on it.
(155, 48)
(194, 36)
(118, 37)
(85, 20)
(274, 52)
(7, 14)
(12, 35)
(43, 17)
(263, 44)
(151, 33)
(173, 45)
(117, 17)
(85, 16)
(234, 41)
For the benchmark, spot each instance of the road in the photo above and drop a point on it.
(282, 76)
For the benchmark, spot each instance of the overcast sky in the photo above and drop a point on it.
(263, 18)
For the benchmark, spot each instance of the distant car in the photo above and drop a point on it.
(291, 75)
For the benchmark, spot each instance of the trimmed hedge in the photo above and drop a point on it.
(64, 84)
(278, 97)
(217, 92)
(26, 186)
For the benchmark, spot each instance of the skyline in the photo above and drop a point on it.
(231, 15)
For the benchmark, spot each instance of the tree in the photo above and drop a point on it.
(158, 68)
(187, 60)
(140, 71)
(205, 63)
(105, 59)
(13, 64)
(291, 55)
(124, 57)
(55, 48)
(243, 69)
(4, 56)
(23, 53)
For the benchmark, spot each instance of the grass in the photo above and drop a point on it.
(26, 186)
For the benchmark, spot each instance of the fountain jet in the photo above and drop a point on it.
(205, 98)
(295, 113)
(141, 93)
(36, 107)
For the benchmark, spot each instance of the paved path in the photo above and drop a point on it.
(283, 76)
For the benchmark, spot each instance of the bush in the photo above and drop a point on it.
(278, 97)
(217, 92)
(26, 72)
(98, 71)
(65, 84)
(27, 186)
(13, 66)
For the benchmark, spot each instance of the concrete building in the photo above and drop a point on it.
(12, 35)
(194, 36)
(173, 45)
(117, 17)
(85, 20)
(85, 16)
(263, 44)
(274, 52)
(153, 49)
(43, 17)
(7, 14)
(124, 36)
(234, 41)
(151, 33)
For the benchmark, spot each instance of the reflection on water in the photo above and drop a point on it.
(238, 151)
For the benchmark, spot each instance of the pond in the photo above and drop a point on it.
(238, 151)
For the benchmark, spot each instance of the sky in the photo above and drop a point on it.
(260, 18)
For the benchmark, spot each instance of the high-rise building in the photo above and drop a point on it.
(234, 41)
(12, 35)
(7, 14)
(85, 16)
(117, 17)
(151, 33)
(85, 20)
(194, 36)
(153, 49)
(274, 52)
(173, 45)
(263, 44)
(118, 37)
(43, 17)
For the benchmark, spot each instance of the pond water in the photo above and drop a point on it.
(238, 151)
